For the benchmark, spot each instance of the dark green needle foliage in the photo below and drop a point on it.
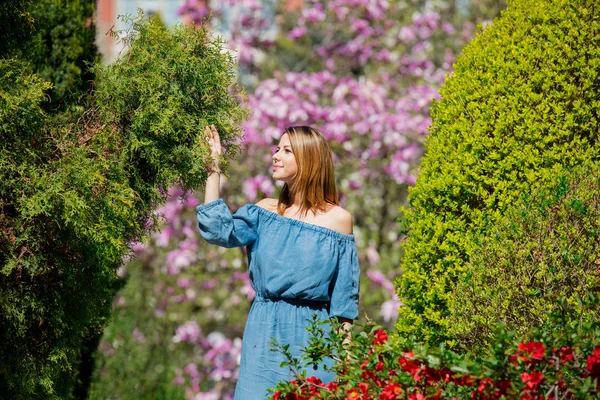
(520, 110)
(18, 26)
(63, 47)
(56, 37)
(79, 184)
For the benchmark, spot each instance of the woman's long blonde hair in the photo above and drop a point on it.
(315, 180)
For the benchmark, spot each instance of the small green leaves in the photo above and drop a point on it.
(519, 112)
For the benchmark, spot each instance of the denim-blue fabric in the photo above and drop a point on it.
(297, 269)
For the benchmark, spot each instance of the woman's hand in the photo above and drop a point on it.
(214, 141)
(213, 168)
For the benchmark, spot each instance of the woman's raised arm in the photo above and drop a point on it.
(214, 171)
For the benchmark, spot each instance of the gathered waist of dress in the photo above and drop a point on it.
(296, 302)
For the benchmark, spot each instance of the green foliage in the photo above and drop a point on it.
(56, 37)
(63, 47)
(543, 248)
(18, 26)
(76, 188)
(160, 93)
(136, 353)
(520, 109)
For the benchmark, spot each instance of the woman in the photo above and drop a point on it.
(301, 254)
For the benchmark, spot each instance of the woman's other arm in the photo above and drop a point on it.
(214, 171)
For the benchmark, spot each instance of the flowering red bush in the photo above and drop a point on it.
(556, 361)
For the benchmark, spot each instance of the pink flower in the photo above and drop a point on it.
(260, 183)
(380, 280)
(372, 256)
(297, 33)
(138, 336)
(189, 332)
(314, 14)
(389, 309)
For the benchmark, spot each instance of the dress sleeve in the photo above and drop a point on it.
(218, 226)
(345, 285)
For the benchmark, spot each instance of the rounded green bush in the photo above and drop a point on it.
(521, 108)
(542, 254)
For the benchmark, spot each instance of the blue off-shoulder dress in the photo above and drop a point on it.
(297, 269)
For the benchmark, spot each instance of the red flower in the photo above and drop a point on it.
(431, 374)
(379, 366)
(436, 396)
(380, 337)
(445, 374)
(367, 375)
(534, 350)
(416, 396)
(465, 380)
(391, 392)
(483, 390)
(532, 380)
(314, 380)
(276, 395)
(529, 396)
(408, 365)
(332, 386)
(315, 383)
(363, 387)
(565, 354)
(593, 363)
(502, 386)
(484, 384)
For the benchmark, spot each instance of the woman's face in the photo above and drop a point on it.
(284, 161)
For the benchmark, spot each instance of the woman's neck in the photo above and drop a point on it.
(296, 202)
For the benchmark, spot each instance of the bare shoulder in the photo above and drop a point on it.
(340, 219)
(268, 204)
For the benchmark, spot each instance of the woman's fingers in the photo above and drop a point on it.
(213, 140)
(207, 133)
(215, 136)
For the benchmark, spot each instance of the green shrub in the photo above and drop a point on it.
(544, 248)
(520, 108)
(56, 38)
(62, 47)
(77, 188)
(18, 27)
(166, 87)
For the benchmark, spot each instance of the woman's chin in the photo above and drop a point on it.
(279, 178)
